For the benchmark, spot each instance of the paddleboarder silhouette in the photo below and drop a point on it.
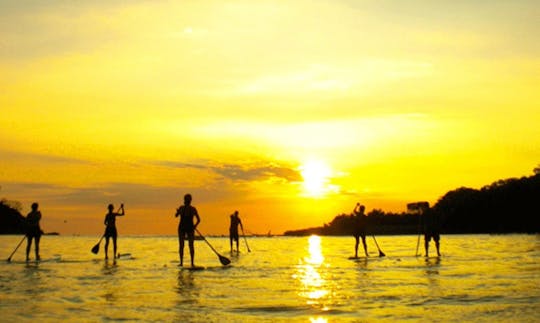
(186, 228)
(110, 229)
(233, 230)
(33, 231)
(431, 226)
(359, 228)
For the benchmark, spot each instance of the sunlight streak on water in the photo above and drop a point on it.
(284, 279)
(309, 273)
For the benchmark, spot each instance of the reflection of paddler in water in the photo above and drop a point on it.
(359, 228)
(233, 230)
(186, 228)
(431, 228)
(33, 231)
(110, 229)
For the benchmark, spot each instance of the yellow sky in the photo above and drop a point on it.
(287, 112)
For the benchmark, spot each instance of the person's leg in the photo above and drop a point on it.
(114, 245)
(38, 237)
(106, 247)
(357, 241)
(28, 246)
(237, 243)
(426, 243)
(181, 247)
(365, 245)
(231, 240)
(191, 238)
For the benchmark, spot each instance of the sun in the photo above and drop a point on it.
(315, 175)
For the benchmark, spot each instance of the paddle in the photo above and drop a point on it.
(95, 249)
(381, 254)
(224, 260)
(244, 235)
(9, 259)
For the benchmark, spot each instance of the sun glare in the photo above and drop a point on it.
(315, 175)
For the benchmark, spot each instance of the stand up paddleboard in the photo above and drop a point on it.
(55, 258)
(195, 268)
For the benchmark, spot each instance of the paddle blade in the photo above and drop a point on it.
(381, 254)
(95, 249)
(224, 260)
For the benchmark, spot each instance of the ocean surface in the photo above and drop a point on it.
(295, 279)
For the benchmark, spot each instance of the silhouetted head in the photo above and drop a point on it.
(110, 207)
(362, 208)
(35, 206)
(187, 199)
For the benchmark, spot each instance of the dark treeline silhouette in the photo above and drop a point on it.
(11, 219)
(377, 222)
(511, 205)
(505, 206)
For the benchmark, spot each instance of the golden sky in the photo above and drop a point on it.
(288, 111)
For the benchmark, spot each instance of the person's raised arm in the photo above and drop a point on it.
(121, 210)
(356, 208)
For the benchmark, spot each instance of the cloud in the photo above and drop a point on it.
(140, 195)
(11, 156)
(237, 172)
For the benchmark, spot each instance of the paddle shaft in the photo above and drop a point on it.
(208, 243)
(245, 240)
(103, 236)
(419, 233)
(381, 254)
(9, 259)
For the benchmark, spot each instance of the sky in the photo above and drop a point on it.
(288, 111)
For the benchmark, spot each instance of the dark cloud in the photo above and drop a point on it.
(128, 193)
(236, 172)
(241, 172)
(16, 157)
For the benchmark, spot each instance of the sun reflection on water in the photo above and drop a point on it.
(313, 284)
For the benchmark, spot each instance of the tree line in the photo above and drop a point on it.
(11, 219)
(505, 206)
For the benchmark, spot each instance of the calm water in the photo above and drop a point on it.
(478, 278)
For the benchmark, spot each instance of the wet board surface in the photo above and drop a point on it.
(366, 258)
(124, 256)
(56, 258)
(196, 268)
(175, 264)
